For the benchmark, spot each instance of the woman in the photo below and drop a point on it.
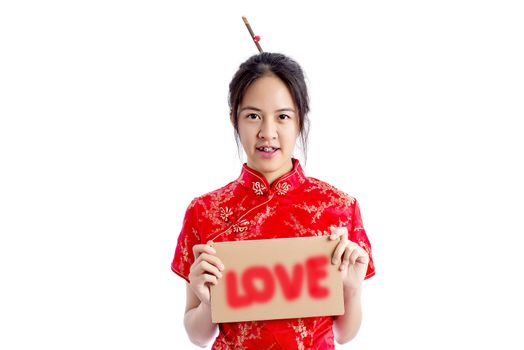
(272, 198)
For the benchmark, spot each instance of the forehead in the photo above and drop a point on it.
(268, 91)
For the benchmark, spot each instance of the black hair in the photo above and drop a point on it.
(285, 68)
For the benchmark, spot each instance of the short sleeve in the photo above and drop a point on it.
(188, 237)
(357, 234)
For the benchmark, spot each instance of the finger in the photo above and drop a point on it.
(332, 235)
(206, 267)
(363, 256)
(345, 259)
(202, 248)
(339, 250)
(209, 279)
(354, 256)
(338, 232)
(212, 259)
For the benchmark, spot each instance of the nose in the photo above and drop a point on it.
(268, 130)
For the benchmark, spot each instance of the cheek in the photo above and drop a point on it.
(291, 135)
(245, 139)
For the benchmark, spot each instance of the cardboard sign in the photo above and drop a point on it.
(277, 278)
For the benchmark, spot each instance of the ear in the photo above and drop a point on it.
(231, 119)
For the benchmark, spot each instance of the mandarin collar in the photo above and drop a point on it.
(258, 185)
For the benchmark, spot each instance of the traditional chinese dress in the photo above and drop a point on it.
(249, 208)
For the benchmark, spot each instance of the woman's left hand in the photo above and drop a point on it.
(350, 257)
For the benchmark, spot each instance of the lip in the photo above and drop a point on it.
(267, 155)
(260, 146)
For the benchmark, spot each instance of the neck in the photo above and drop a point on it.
(275, 175)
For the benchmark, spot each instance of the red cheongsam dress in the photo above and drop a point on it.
(249, 208)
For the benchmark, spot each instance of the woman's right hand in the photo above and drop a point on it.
(205, 270)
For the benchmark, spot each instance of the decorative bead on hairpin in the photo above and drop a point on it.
(256, 38)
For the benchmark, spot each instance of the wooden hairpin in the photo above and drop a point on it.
(256, 38)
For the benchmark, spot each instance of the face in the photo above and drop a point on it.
(268, 126)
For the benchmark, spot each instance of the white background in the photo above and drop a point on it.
(114, 116)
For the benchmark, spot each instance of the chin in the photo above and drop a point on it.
(270, 166)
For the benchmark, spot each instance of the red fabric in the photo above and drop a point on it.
(249, 208)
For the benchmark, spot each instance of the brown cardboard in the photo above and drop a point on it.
(240, 256)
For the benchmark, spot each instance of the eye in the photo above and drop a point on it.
(284, 116)
(253, 116)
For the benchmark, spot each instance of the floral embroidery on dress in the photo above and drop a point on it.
(245, 331)
(282, 188)
(301, 333)
(241, 226)
(316, 209)
(225, 213)
(301, 229)
(367, 248)
(259, 188)
(184, 250)
(211, 206)
(259, 220)
(324, 188)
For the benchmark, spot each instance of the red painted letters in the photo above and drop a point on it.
(259, 282)
(316, 271)
(263, 274)
(291, 287)
(233, 299)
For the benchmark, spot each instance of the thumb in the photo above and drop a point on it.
(338, 232)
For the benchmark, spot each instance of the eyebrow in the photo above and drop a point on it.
(287, 109)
